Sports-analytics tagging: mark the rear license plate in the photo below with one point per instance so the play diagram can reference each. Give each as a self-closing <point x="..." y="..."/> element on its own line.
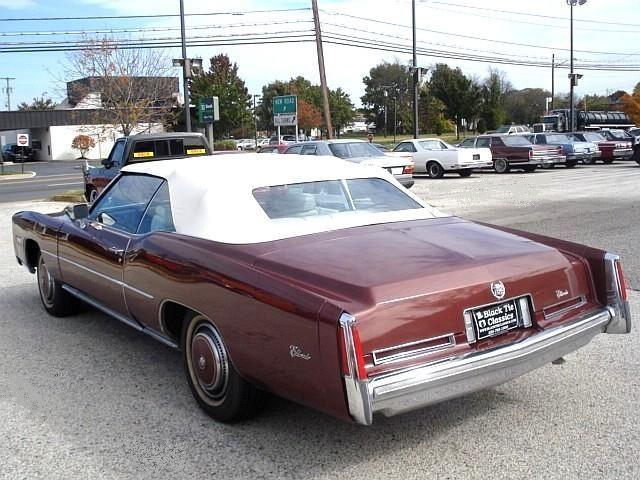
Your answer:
<point x="496" y="319"/>
<point x="397" y="170"/>
<point x="476" y="156"/>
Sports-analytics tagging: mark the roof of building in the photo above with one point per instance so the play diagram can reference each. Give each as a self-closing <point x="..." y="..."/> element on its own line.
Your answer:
<point x="212" y="196"/>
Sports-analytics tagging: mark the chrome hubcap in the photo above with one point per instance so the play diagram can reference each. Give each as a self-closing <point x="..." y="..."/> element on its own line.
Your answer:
<point x="45" y="282"/>
<point x="209" y="361"/>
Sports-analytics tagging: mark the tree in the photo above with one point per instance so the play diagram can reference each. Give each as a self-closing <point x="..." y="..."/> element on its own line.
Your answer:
<point x="342" y="110"/>
<point x="222" y="81"/>
<point x="84" y="143"/>
<point x="494" y="88"/>
<point x="631" y="104"/>
<point x="460" y="95"/>
<point x="38" y="103"/>
<point x="128" y="87"/>
<point x="308" y="115"/>
<point x="385" y="82"/>
<point x="527" y="106"/>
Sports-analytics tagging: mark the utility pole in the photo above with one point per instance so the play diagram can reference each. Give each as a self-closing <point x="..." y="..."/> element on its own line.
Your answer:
<point x="571" y="115"/>
<point x="415" y="73"/>
<point x="323" y="75"/>
<point x="255" y="121"/>
<point x="553" y="78"/>
<point x="186" y="70"/>
<point x="8" y="90"/>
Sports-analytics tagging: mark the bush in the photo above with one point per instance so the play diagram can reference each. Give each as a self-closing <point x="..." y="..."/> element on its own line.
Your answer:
<point x="84" y="143"/>
<point x="224" y="145"/>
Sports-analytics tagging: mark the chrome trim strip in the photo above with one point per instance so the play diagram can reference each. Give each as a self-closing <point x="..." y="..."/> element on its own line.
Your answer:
<point x="358" y="398"/>
<point x="94" y="303"/>
<point x="582" y="302"/>
<point x="621" y="312"/>
<point x="419" y="352"/>
<point x="106" y="277"/>
<point x="49" y="253"/>
<point x="416" y="387"/>
<point x="121" y="318"/>
<point x="402" y="299"/>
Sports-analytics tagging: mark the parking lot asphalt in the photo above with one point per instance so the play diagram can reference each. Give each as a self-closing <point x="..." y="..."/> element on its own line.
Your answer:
<point x="86" y="397"/>
<point x="50" y="178"/>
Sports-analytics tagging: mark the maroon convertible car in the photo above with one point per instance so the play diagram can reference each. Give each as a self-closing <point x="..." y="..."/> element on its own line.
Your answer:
<point x="321" y="281"/>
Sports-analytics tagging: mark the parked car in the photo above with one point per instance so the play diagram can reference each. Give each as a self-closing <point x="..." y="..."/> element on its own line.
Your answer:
<point x="262" y="142"/>
<point x="512" y="129"/>
<point x="284" y="140"/>
<point x="141" y="148"/>
<point x="636" y="153"/>
<point x="515" y="152"/>
<point x="11" y="152"/>
<point x="617" y="135"/>
<point x="358" y="151"/>
<point x="635" y="133"/>
<point x="573" y="149"/>
<point x="269" y="149"/>
<point x="435" y="157"/>
<point x="320" y="281"/>
<point x="246" y="144"/>
<point x="610" y="150"/>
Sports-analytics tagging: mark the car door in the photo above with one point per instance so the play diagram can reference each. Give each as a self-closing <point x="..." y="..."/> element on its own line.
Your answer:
<point x="92" y="250"/>
<point x="448" y="156"/>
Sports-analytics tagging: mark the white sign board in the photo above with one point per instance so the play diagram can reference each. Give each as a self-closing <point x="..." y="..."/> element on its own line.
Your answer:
<point x="22" y="140"/>
<point x="285" y="120"/>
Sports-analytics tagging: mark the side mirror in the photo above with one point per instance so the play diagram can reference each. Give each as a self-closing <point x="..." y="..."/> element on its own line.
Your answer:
<point x="78" y="212"/>
<point x="107" y="163"/>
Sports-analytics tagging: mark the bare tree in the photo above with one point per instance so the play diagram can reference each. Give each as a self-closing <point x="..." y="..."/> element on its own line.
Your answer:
<point x="127" y="87"/>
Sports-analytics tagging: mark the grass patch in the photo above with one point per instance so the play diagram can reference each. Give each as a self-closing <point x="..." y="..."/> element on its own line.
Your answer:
<point x="72" y="196"/>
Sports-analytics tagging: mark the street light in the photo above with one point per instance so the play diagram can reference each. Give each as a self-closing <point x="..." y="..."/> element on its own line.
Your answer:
<point x="573" y="78"/>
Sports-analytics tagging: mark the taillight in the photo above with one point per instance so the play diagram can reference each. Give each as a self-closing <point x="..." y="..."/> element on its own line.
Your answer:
<point x="351" y="355"/>
<point x="621" y="282"/>
<point x="530" y="153"/>
<point x="408" y="170"/>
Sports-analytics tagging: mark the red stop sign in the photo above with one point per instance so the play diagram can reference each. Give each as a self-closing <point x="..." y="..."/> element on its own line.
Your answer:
<point x="23" y="140"/>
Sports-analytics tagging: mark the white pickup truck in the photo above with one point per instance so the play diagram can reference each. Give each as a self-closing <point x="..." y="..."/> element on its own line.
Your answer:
<point x="436" y="157"/>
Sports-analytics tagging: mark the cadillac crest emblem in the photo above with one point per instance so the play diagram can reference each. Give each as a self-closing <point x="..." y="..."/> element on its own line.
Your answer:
<point x="498" y="290"/>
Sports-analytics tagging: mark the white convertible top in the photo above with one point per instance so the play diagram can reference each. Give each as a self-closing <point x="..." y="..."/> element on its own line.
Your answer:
<point x="212" y="196"/>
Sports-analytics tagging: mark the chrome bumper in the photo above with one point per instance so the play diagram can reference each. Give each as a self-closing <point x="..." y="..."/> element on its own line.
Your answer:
<point x="417" y="387"/>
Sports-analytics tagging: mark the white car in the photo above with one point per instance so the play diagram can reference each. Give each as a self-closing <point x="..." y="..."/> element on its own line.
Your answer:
<point x="435" y="157"/>
<point x="246" y="144"/>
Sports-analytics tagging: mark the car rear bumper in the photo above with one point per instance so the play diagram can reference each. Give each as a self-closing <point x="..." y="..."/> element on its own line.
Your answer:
<point x="406" y="180"/>
<point x="623" y="153"/>
<point x="575" y="157"/>
<point x="417" y="387"/>
<point x="548" y="160"/>
<point x="469" y="165"/>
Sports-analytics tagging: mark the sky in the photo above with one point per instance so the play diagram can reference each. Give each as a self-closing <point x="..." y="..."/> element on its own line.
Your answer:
<point x="606" y="33"/>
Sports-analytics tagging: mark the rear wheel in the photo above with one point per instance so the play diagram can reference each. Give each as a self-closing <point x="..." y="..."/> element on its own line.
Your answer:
<point x="548" y="166"/>
<point x="465" y="173"/>
<point x="435" y="170"/>
<point x="589" y="161"/>
<point x="91" y="194"/>
<point x="216" y="385"/>
<point x="500" y="165"/>
<point x="55" y="300"/>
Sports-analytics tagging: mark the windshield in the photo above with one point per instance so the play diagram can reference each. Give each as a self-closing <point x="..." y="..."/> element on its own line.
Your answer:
<point x="552" y="119"/>
<point x="354" y="150"/>
<point x="593" y="137"/>
<point x="558" y="138"/>
<point x="328" y="197"/>
<point x="516" y="141"/>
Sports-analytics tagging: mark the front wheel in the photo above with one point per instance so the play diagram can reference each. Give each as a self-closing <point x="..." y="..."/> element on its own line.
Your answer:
<point x="500" y="165"/>
<point x="216" y="385"/>
<point x="56" y="301"/>
<point x="435" y="170"/>
<point x="465" y="173"/>
<point x="589" y="161"/>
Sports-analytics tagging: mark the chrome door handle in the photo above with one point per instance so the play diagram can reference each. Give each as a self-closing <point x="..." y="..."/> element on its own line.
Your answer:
<point x="116" y="250"/>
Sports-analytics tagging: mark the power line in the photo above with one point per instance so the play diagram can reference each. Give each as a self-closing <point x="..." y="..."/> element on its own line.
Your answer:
<point x="159" y="15"/>
<point x="469" y="37"/>
<point x="527" y="14"/>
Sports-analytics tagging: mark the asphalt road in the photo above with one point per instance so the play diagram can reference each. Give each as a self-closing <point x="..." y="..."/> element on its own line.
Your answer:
<point x="86" y="397"/>
<point x="50" y="178"/>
